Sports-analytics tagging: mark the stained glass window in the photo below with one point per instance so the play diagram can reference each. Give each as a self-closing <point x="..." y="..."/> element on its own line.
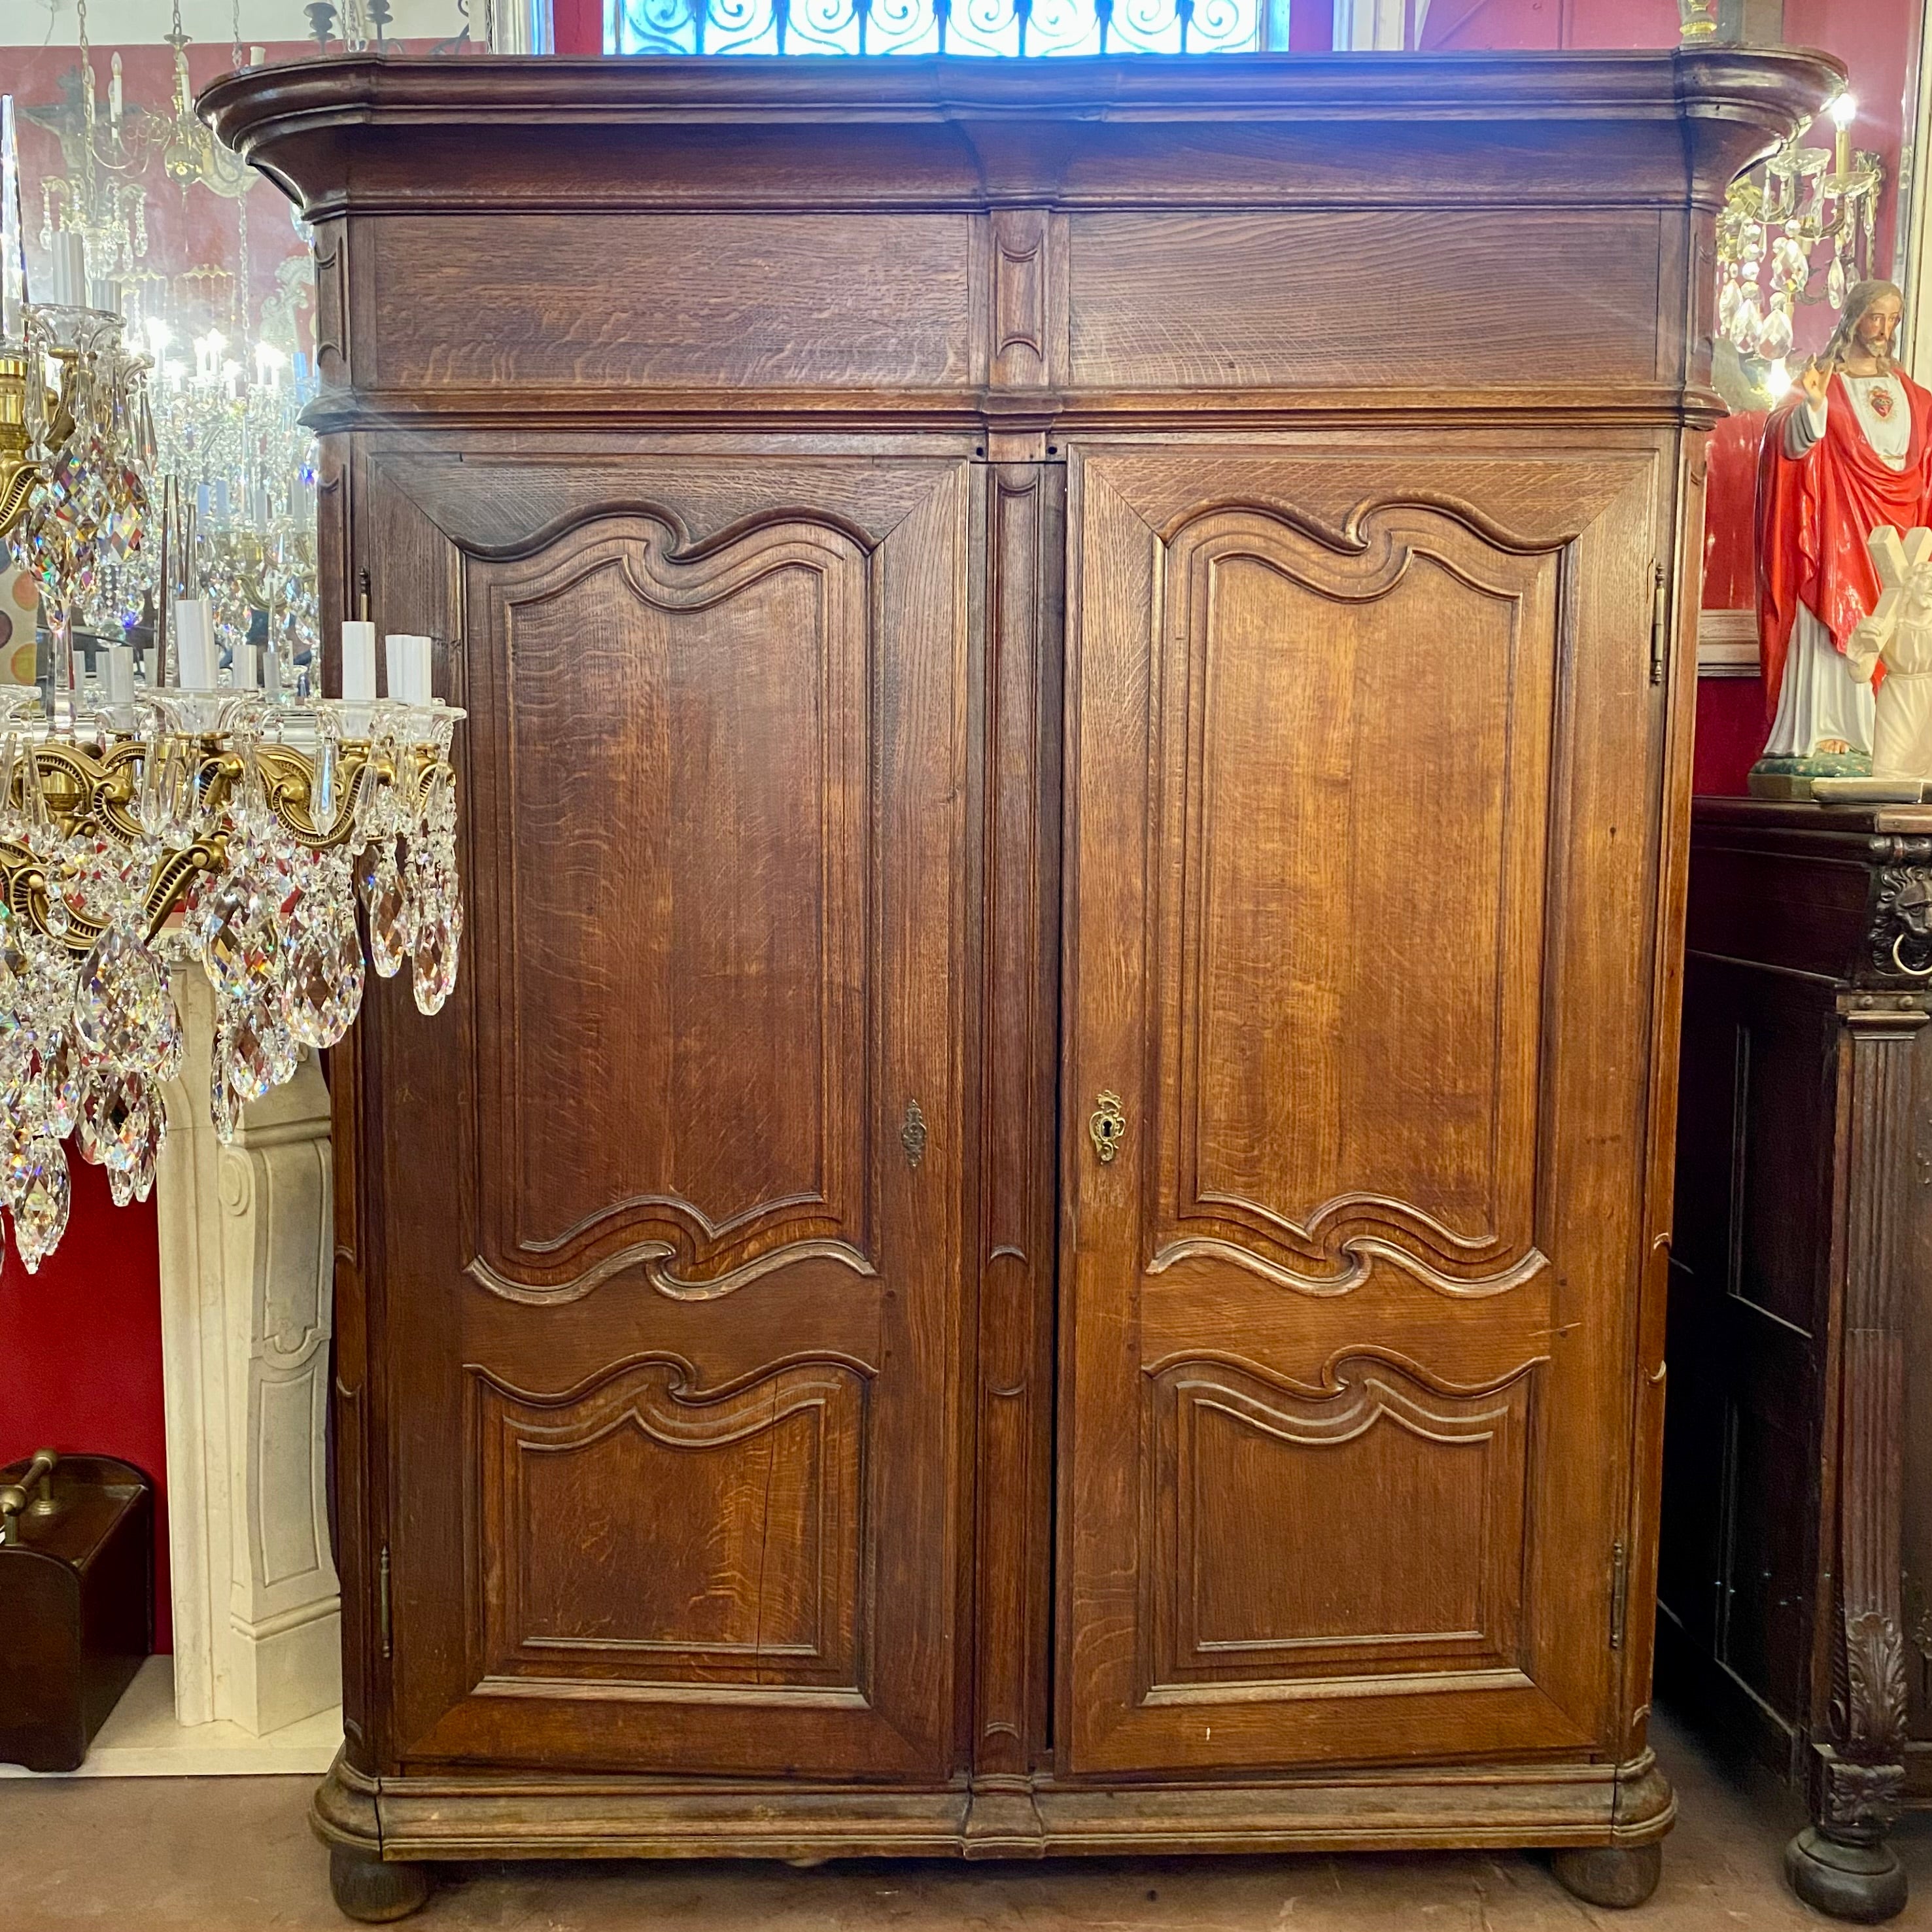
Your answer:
<point x="1008" y="27"/>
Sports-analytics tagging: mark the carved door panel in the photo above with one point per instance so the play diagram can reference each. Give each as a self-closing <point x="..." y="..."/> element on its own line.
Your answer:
<point x="675" y="1317"/>
<point x="1357" y="1004"/>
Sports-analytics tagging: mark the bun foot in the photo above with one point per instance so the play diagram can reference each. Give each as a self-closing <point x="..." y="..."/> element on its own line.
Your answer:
<point x="1617" y="1876"/>
<point x="372" y="1890"/>
<point x="1864" y="1883"/>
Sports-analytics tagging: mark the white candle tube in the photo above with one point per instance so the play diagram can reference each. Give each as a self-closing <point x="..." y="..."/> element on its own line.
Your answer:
<point x="117" y="674"/>
<point x="358" y="662"/>
<point x="13" y="231"/>
<point x="70" y="269"/>
<point x="194" y="643"/>
<point x="410" y="660"/>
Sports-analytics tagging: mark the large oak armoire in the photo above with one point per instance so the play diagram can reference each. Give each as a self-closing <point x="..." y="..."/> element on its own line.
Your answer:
<point x="1041" y="1225"/>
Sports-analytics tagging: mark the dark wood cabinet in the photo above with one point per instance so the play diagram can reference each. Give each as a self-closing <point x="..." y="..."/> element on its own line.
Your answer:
<point x="1041" y="1224"/>
<point x="1797" y="1525"/>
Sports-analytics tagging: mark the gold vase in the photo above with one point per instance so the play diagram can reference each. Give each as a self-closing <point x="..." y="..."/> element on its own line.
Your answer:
<point x="1699" y="18"/>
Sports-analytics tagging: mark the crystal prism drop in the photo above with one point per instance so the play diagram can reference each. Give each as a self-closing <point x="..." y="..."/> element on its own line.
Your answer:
<point x="121" y="1006"/>
<point x="389" y="913"/>
<point x="434" y="977"/>
<point x="237" y="941"/>
<point x="59" y="1084"/>
<point x="223" y="1109"/>
<point x="35" y="1186"/>
<point x="324" y="978"/>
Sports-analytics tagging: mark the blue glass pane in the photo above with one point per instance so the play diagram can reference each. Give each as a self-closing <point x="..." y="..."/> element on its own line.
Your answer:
<point x="998" y="28"/>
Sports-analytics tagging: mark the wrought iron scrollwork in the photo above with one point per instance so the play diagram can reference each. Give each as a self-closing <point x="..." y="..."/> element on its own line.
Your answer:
<point x="1013" y="28"/>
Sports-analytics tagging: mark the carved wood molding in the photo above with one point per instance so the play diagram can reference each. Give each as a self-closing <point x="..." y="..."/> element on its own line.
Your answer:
<point x="1860" y="1763"/>
<point x="1237" y="1208"/>
<point x="1381" y="533"/>
<point x="668" y="1608"/>
<point x="651" y="1257"/>
<point x="1901" y="920"/>
<point x="1210" y="1417"/>
<point x="797" y="1197"/>
<point x="1360" y="1252"/>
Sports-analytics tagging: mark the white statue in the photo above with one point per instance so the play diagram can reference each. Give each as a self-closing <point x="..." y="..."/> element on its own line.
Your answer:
<point x="1898" y="634"/>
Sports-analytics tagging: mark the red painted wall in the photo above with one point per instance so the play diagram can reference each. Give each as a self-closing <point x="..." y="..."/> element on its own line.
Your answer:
<point x="80" y="1348"/>
<point x="576" y="26"/>
<point x="1549" y="24"/>
<point x="1311" y="26"/>
<point x="1876" y="39"/>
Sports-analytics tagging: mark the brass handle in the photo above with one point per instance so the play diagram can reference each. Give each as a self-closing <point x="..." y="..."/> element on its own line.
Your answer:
<point x="1107" y="1126"/>
<point x="41" y="1470"/>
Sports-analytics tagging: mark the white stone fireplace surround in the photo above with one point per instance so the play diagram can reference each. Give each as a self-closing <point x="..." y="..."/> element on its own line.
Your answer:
<point x="246" y="1243"/>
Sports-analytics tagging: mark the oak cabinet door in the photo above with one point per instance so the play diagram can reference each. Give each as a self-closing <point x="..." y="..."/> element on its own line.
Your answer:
<point x="671" y="1217"/>
<point x="1361" y="853"/>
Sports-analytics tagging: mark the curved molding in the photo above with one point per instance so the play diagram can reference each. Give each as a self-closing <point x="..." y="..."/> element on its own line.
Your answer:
<point x="660" y="1393"/>
<point x="651" y="1256"/>
<point x="537" y="1295"/>
<point x="680" y="1289"/>
<point x="683" y="549"/>
<point x="1344" y="1208"/>
<point x="684" y="1380"/>
<point x="685" y="1217"/>
<point x="759" y="1219"/>
<point x="1368" y="526"/>
<point x="1349" y="1408"/>
<point x="1252" y="1213"/>
<point x="1331" y="1382"/>
<point x="299" y="123"/>
<point x="1362" y="1252"/>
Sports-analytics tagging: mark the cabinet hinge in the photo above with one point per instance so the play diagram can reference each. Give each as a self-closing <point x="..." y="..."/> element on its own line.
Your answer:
<point x="1660" y="621"/>
<point x="1619" y="1591"/>
<point x="382" y="1598"/>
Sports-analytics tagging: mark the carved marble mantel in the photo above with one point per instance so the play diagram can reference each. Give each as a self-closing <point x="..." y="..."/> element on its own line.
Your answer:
<point x="246" y="1250"/>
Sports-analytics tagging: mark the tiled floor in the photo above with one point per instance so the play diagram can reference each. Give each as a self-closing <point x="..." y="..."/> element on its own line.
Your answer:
<point x="235" y="1855"/>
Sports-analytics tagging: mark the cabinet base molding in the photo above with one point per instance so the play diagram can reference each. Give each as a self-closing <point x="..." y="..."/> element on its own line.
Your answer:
<point x="542" y="1815"/>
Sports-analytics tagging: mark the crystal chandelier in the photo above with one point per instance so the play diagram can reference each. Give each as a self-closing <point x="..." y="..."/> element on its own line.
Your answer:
<point x="98" y="205"/>
<point x="240" y="827"/>
<point x="1774" y="222"/>
<point x="190" y="152"/>
<point x="233" y="445"/>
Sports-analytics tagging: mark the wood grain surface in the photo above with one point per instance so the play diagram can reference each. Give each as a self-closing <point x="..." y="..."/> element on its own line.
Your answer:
<point x="977" y="585"/>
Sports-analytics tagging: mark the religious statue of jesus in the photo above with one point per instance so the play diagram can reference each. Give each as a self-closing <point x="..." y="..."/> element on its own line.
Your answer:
<point x="1848" y="452"/>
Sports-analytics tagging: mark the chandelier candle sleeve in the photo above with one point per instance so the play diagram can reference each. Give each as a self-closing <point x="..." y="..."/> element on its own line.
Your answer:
<point x="70" y="285"/>
<point x="12" y="237"/>
<point x="194" y="643"/>
<point x="408" y="667"/>
<point x="359" y="662"/>
<point x="117" y="674"/>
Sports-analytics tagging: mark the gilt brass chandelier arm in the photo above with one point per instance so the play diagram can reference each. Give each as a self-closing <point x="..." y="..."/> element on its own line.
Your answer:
<point x="17" y="479"/>
<point x="174" y="876"/>
<point x="289" y="777"/>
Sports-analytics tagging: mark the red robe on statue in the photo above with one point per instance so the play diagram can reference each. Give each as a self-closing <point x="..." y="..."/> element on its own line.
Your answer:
<point x="1815" y="513"/>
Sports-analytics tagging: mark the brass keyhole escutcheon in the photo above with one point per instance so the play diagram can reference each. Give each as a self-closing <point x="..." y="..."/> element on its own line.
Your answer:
<point x="1107" y="1126"/>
